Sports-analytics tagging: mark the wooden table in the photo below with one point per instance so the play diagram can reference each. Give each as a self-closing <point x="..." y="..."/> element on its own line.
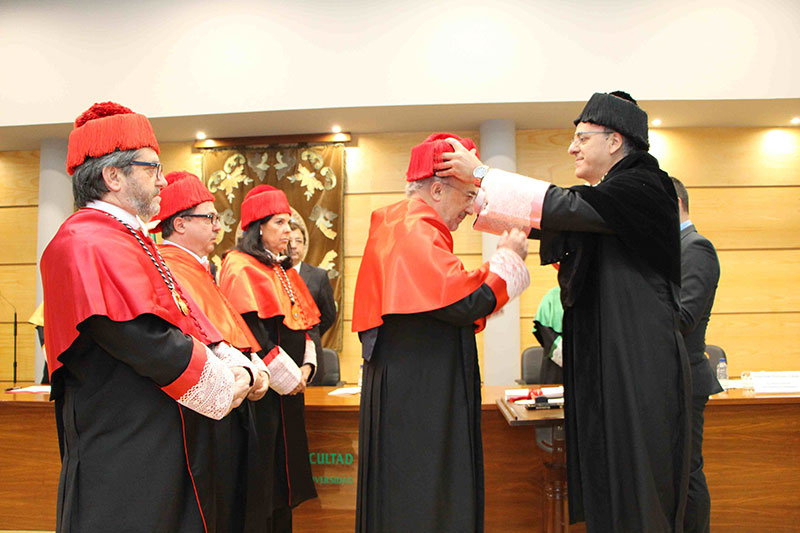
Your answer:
<point x="752" y="458"/>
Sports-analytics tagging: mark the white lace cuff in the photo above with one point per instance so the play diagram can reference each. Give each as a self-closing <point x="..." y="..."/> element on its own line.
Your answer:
<point x="310" y="356"/>
<point x="259" y="363"/>
<point x="509" y="200"/>
<point x="233" y="357"/>
<point x="510" y="266"/>
<point x="284" y="373"/>
<point x="213" y="393"/>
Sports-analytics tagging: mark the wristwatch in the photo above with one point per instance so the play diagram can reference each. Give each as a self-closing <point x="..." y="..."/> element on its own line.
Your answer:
<point x="479" y="172"/>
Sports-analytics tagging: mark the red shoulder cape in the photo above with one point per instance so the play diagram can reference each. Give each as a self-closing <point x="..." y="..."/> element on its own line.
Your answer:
<point x="197" y="280"/>
<point x="252" y="286"/>
<point x="409" y="267"/>
<point x="94" y="266"/>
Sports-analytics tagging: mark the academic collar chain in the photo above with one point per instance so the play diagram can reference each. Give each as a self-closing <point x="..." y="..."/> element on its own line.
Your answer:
<point x="287" y="286"/>
<point x="166" y="275"/>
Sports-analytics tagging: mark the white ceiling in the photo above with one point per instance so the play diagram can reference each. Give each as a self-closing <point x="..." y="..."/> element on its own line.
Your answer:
<point x="359" y="120"/>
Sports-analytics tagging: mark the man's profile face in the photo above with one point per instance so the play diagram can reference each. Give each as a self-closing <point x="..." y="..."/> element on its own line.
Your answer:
<point x="456" y="201"/>
<point x="590" y="147"/>
<point x="140" y="187"/>
<point x="298" y="244"/>
<point x="200" y="234"/>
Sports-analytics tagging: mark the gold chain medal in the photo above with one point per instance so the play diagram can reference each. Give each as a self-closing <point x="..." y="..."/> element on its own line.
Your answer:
<point x="180" y="302"/>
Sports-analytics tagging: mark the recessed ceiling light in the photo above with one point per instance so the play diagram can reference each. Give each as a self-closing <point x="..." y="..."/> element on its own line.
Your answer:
<point x="795" y="121"/>
<point x="336" y="129"/>
<point x="656" y="122"/>
<point x="200" y="135"/>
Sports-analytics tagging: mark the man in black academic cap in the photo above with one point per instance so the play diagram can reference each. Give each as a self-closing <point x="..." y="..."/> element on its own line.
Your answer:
<point x="626" y="373"/>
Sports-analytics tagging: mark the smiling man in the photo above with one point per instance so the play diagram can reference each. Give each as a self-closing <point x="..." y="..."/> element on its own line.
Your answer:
<point x="626" y="372"/>
<point x="416" y="309"/>
<point x="133" y="374"/>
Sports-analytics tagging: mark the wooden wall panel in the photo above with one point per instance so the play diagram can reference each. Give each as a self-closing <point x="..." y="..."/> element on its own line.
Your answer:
<point x="542" y="154"/>
<point x="16" y="285"/>
<point x="181" y="156"/>
<point x="763" y="341"/>
<point x="19" y="178"/>
<point x="721" y="157"/>
<point x="26" y="342"/>
<point x="377" y="163"/>
<point x="747" y="217"/>
<point x="758" y="281"/>
<point x="18" y="234"/>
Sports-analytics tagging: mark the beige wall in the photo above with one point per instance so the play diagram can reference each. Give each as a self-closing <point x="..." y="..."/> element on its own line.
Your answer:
<point x="744" y="187"/>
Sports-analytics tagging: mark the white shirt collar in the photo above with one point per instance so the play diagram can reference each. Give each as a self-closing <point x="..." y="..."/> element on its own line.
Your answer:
<point x="297" y="266"/>
<point x="131" y="219"/>
<point x="202" y="260"/>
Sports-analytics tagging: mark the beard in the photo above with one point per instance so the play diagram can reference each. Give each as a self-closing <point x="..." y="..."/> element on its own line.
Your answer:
<point x="145" y="202"/>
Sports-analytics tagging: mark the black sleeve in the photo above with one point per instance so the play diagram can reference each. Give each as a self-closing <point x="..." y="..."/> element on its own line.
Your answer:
<point x="326" y="303"/>
<point x="261" y="332"/>
<point x="468" y="309"/>
<point x="151" y="346"/>
<point x="545" y="335"/>
<point x="699" y="277"/>
<point x="565" y="210"/>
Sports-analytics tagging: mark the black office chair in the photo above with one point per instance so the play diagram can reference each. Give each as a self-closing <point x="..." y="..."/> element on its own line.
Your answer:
<point x="330" y="367"/>
<point x="714" y="354"/>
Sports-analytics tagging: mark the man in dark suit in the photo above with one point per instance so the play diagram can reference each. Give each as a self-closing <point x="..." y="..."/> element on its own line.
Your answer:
<point x="316" y="279"/>
<point x="699" y="278"/>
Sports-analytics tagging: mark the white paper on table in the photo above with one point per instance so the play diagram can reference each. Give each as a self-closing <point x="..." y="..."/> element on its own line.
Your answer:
<point x="345" y="391"/>
<point x="33" y="389"/>
<point x="771" y="382"/>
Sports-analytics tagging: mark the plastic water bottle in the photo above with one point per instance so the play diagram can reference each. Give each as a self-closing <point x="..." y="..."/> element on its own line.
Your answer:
<point x="722" y="372"/>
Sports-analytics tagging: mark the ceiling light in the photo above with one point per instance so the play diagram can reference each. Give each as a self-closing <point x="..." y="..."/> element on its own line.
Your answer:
<point x="336" y="129"/>
<point x="656" y="122"/>
<point x="795" y="121"/>
<point x="200" y="135"/>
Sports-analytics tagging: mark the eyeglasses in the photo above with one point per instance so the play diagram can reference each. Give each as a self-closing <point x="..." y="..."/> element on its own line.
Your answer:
<point x="581" y="136"/>
<point x="470" y="195"/>
<point x="156" y="166"/>
<point x="211" y="217"/>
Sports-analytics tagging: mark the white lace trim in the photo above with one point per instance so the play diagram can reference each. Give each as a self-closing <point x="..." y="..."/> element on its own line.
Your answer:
<point x="510" y="266"/>
<point x="259" y="363"/>
<point x="213" y="393"/>
<point x="284" y="373"/>
<point x="508" y="201"/>
<point x="233" y="357"/>
<point x="310" y="356"/>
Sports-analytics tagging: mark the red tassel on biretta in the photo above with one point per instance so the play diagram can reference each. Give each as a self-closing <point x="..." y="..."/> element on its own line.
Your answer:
<point x="104" y="128"/>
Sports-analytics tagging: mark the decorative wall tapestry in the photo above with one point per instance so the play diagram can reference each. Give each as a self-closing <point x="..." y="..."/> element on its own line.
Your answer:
<point x="312" y="178"/>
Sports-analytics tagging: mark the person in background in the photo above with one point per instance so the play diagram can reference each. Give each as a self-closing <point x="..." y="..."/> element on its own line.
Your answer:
<point x="547" y="330"/>
<point x="699" y="277"/>
<point x="316" y="279"/>
<point x="416" y="310"/>
<point x="138" y="373"/>
<point x="189" y="224"/>
<point x="275" y="303"/>
<point x="626" y="373"/>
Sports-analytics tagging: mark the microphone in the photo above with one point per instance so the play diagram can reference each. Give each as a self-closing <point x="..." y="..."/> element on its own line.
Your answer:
<point x="14" y="386"/>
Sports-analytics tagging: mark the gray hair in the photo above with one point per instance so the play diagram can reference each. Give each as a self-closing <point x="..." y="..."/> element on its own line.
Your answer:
<point x="413" y="187"/>
<point x="87" y="180"/>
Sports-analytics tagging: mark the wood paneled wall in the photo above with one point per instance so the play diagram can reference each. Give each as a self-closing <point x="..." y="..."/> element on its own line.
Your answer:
<point x="744" y="188"/>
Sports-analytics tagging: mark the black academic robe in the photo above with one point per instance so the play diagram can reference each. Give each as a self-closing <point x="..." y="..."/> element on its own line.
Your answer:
<point x="420" y="449"/>
<point x="280" y="422"/>
<point x="626" y="372"/>
<point x="124" y="465"/>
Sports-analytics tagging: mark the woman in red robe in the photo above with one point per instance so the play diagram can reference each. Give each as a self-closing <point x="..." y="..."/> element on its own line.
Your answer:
<point x="279" y="310"/>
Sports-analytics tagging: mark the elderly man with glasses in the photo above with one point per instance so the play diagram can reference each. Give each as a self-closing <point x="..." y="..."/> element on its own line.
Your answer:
<point x="626" y="372"/>
<point x="138" y="372"/>
<point x="417" y="309"/>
